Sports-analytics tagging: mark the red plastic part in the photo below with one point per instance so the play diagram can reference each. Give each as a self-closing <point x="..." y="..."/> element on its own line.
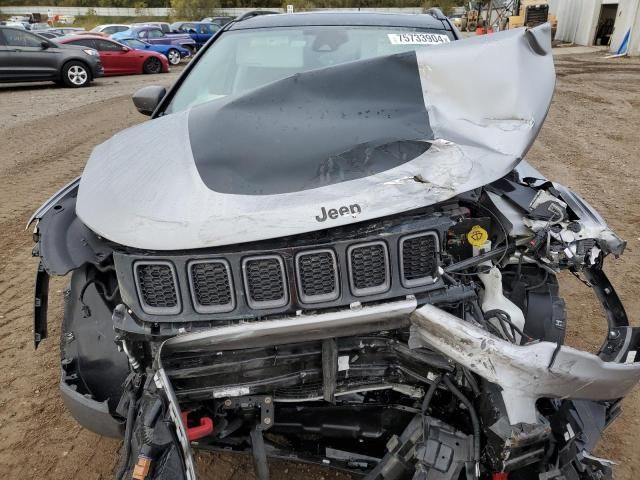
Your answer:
<point x="500" y="476"/>
<point x="195" y="433"/>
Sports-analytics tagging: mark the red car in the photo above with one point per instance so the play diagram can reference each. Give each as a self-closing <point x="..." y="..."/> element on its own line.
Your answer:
<point x="118" y="59"/>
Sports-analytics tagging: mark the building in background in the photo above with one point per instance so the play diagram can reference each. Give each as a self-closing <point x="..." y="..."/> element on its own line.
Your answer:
<point x="599" y="22"/>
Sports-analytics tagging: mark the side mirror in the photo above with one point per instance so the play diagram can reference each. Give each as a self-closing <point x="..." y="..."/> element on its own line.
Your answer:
<point x="125" y="48"/>
<point x="148" y="98"/>
<point x="45" y="45"/>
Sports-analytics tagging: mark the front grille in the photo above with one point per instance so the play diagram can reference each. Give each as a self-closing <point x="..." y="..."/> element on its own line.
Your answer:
<point x="156" y="283"/>
<point x="418" y="260"/>
<point x="264" y="280"/>
<point x="317" y="273"/>
<point x="283" y="278"/>
<point x="211" y="286"/>
<point x="369" y="268"/>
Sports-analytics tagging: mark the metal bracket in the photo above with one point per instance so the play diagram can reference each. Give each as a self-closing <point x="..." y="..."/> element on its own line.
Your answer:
<point x="263" y="402"/>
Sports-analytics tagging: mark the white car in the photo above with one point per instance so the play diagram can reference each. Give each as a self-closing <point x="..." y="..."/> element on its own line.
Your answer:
<point x="15" y="25"/>
<point x="110" y="29"/>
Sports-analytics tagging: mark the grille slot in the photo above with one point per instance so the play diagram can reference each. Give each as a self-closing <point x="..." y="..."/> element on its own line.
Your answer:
<point x="157" y="287"/>
<point x="265" y="281"/>
<point x="369" y="268"/>
<point x="317" y="273"/>
<point x="211" y="286"/>
<point x="418" y="259"/>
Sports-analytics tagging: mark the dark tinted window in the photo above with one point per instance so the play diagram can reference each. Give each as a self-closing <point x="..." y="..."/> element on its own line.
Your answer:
<point x="83" y="42"/>
<point x="18" y="38"/>
<point x="107" y="46"/>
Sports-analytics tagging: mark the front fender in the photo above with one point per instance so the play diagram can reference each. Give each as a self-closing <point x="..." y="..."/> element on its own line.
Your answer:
<point x="63" y="242"/>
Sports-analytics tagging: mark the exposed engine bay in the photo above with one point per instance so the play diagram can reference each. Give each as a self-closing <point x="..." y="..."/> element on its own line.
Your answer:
<point x="420" y="336"/>
<point x="449" y="364"/>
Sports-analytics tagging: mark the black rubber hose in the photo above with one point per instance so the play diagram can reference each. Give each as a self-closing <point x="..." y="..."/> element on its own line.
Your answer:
<point x="432" y="390"/>
<point x="472" y="413"/>
<point x="128" y="433"/>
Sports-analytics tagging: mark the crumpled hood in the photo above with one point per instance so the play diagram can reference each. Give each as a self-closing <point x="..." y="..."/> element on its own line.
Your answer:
<point x="324" y="148"/>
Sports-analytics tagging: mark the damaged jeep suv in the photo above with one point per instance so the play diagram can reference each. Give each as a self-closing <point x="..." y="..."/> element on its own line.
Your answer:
<point x="326" y="246"/>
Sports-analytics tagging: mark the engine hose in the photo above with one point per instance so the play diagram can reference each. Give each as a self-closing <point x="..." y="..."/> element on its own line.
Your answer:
<point x="429" y="395"/>
<point x="128" y="433"/>
<point x="474" y="420"/>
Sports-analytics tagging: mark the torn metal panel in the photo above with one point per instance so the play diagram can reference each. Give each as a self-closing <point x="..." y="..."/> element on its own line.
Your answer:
<point x="525" y="373"/>
<point x="431" y="132"/>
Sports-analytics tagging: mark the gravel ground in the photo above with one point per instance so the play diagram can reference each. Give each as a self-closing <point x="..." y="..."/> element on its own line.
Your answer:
<point x="590" y="143"/>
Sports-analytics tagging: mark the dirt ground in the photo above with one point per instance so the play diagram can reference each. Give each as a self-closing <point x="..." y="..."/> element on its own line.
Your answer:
<point x="590" y="142"/>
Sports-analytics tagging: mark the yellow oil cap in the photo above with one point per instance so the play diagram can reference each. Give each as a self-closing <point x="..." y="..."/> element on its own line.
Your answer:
<point x="477" y="236"/>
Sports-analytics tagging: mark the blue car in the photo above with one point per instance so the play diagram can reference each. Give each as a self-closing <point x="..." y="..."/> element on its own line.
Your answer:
<point x="174" y="53"/>
<point x="201" y="32"/>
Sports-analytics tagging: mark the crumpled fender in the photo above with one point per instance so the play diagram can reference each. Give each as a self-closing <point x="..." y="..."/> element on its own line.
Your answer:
<point x="63" y="242"/>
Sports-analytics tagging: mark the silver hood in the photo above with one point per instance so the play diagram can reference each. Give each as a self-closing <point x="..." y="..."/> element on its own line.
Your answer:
<point x="324" y="148"/>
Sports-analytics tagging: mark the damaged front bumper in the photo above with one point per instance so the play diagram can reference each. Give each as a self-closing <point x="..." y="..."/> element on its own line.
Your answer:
<point x="523" y="373"/>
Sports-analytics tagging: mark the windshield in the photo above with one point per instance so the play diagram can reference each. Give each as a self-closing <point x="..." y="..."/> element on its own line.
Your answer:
<point x="246" y="59"/>
<point x="133" y="43"/>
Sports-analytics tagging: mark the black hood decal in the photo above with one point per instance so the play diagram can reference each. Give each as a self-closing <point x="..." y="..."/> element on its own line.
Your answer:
<point x="313" y="129"/>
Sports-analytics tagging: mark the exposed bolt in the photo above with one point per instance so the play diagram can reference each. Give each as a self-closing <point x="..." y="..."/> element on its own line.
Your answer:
<point x="607" y="290"/>
<point x="267" y="400"/>
<point x="267" y="421"/>
<point x="69" y="336"/>
<point x="614" y="334"/>
<point x="227" y="403"/>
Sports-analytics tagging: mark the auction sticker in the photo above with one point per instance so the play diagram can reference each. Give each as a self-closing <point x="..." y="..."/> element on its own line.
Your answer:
<point x="417" y="38"/>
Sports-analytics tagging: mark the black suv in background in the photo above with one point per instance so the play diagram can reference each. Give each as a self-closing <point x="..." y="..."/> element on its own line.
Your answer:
<point x="27" y="57"/>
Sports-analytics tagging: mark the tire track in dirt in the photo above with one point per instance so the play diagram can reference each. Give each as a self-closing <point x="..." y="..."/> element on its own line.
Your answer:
<point x="41" y="440"/>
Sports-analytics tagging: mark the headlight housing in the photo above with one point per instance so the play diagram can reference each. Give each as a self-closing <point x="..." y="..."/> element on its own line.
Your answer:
<point x="91" y="51"/>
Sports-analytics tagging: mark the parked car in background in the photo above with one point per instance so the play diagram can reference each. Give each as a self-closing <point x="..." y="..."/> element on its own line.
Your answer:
<point x="48" y="34"/>
<point x="20" y="25"/>
<point x="100" y="34"/>
<point x="164" y="26"/>
<point x="28" y="57"/>
<point x="156" y="36"/>
<point x="119" y="59"/>
<point x="173" y="53"/>
<point x="67" y="30"/>
<point x="220" y="21"/>
<point x="39" y="26"/>
<point x="110" y="29"/>
<point x="201" y="32"/>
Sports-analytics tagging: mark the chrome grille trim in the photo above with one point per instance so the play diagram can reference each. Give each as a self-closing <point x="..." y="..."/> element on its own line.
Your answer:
<point x="382" y="287"/>
<point x="173" y="310"/>
<point x="426" y="280"/>
<point x="326" y="297"/>
<point x="281" y="302"/>
<point x="218" y="308"/>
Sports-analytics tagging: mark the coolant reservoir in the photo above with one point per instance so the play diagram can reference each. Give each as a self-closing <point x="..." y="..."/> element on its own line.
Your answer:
<point x="493" y="298"/>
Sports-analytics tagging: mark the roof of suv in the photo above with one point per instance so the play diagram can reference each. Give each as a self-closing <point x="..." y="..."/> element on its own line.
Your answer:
<point x="340" y="18"/>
